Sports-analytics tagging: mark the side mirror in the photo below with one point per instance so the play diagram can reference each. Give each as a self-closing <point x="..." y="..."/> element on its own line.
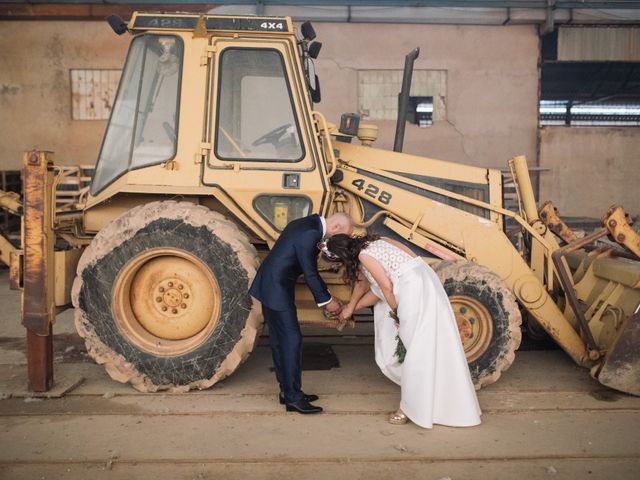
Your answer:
<point x="315" y="92"/>
<point x="308" y="33"/>
<point x="314" y="81"/>
<point x="314" y="49"/>
<point x="118" y="25"/>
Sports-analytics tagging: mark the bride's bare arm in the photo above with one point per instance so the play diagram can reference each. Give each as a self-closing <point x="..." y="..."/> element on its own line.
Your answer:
<point x="359" y="290"/>
<point x="368" y="300"/>
<point x="378" y="273"/>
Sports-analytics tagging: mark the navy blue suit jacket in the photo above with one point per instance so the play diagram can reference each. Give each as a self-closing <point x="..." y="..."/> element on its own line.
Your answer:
<point x="294" y="253"/>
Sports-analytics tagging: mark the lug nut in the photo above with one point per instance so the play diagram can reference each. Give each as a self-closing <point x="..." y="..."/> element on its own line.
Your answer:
<point x="180" y="286"/>
<point x="158" y="299"/>
<point x="184" y="305"/>
<point x="186" y="295"/>
<point x="174" y="310"/>
<point x="171" y="284"/>
<point x="161" y="289"/>
<point x="164" y="308"/>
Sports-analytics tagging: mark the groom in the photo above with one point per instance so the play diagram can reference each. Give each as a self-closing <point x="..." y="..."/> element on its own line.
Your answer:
<point x="294" y="253"/>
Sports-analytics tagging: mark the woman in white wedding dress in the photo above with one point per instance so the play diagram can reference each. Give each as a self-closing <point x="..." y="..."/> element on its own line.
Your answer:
<point x="434" y="377"/>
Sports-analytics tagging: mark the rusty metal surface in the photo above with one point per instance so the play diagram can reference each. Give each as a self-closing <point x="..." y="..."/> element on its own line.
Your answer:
<point x="621" y="366"/>
<point x="93" y="92"/>
<point x="619" y="226"/>
<point x="15" y="270"/>
<point x="567" y="285"/>
<point x="40" y="360"/>
<point x="37" y="307"/>
<point x="6" y="249"/>
<point x="549" y="215"/>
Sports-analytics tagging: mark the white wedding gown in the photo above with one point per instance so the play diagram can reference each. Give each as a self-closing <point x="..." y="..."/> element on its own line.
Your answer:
<point x="435" y="382"/>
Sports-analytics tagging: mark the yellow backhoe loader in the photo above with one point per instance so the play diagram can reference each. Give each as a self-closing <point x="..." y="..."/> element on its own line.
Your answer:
<point x="213" y="146"/>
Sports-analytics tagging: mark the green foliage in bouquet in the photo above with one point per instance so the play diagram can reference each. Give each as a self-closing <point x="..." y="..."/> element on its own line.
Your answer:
<point x="401" y="351"/>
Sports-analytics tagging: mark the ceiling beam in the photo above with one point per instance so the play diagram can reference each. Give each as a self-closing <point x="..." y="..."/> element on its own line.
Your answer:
<point x="88" y="11"/>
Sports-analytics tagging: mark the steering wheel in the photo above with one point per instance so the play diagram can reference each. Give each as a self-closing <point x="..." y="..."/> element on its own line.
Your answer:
<point x="273" y="136"/>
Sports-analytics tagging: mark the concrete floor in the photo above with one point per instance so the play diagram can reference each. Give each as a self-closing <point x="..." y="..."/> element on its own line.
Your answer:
<point x="545" y="418"/>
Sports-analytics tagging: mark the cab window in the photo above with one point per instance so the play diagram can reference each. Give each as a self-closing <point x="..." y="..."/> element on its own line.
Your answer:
<point x="255" y="119"/>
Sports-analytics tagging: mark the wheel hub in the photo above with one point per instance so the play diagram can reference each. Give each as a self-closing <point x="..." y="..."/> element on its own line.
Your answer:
<point x="172" y="296"/>
<point x="475" y="325"/>
<point x="166" y="301"/>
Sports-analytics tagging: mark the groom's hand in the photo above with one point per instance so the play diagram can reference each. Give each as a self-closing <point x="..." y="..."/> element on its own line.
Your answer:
<point x="333" y="307"/>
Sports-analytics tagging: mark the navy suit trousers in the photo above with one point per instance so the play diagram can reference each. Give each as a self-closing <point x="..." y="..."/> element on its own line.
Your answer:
<point x="285" y="338"/>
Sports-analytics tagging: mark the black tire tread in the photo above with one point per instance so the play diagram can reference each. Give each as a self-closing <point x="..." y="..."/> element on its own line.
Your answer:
<point x="125" y="227"/>
<point x="461" y="271"/>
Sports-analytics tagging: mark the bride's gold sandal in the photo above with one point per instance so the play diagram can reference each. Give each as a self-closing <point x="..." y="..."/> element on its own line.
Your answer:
<point x="398" y="418"/>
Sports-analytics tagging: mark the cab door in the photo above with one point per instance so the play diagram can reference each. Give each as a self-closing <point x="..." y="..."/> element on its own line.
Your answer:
<point x="264" y="156"/>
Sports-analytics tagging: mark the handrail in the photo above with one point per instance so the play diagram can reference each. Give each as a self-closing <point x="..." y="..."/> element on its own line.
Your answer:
<point x="324" y="132"/>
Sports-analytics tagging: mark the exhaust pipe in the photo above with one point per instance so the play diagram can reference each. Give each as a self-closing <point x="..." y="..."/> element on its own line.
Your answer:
<point x="403" y="98"/>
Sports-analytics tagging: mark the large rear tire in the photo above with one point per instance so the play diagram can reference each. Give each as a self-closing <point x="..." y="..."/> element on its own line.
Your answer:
<point x="161" y="297"/>
<point x="487" y="315"/>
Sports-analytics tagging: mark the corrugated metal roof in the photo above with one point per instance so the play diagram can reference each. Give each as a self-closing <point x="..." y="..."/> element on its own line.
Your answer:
<point x="599" y="44"/>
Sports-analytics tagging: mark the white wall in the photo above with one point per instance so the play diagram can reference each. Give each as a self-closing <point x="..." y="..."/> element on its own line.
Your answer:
<point x="492" y="78"/>
<point x="590" y="169"/>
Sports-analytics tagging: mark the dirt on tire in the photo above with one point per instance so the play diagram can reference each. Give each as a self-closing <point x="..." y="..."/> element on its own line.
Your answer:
<point x="478" y="282"/>
<point x="221" y="246"/>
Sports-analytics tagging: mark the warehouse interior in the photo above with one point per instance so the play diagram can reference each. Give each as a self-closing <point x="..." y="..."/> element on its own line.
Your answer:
<point x="160" y="161"/>
<point x="503" y="76"/>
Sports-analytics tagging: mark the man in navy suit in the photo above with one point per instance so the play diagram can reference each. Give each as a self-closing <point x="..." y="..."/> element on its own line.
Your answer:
<point x="294" y="253"/>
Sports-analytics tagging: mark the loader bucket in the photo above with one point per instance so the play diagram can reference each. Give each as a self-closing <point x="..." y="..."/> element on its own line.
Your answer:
<point x="621" y="366"/>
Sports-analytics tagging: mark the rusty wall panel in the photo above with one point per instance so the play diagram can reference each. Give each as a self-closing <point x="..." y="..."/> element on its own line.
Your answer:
<point x="378" y="92"/>
<point x="599" y="44"/>
<point x="92" y="93"/>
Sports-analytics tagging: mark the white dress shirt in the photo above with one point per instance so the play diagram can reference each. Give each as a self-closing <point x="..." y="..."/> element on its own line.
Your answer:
<point x="324" y="232"/>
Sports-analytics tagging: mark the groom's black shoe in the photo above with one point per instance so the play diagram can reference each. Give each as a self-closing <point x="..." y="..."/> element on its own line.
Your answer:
<point x="303" y="406"/>
<point x="308" y="398"/>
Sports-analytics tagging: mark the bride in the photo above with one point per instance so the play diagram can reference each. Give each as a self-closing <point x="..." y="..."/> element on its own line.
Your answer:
<point x="411" y="307"/>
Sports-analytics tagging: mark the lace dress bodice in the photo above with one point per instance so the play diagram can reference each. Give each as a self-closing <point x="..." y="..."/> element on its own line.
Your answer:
<point x="389" y="256"/>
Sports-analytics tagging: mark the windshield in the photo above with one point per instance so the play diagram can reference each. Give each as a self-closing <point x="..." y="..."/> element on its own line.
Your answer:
<point x="143" y="124"/>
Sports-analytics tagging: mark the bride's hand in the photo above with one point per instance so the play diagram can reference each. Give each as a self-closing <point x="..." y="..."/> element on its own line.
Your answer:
<point x="347" y="312"/>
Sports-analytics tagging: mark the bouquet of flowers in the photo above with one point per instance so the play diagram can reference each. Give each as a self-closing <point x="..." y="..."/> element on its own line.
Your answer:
<point x="401" y="351"/>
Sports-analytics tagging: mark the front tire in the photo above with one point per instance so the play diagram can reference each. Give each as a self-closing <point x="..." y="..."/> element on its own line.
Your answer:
<point x="161" y="297"/>
<point x="487" y="315"/>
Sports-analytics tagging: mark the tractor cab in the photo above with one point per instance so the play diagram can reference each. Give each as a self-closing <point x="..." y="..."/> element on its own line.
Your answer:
<point x="206" y="101"/>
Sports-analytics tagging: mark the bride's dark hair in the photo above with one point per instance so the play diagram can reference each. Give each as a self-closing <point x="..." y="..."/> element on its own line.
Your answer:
<point x="347" y="249"/>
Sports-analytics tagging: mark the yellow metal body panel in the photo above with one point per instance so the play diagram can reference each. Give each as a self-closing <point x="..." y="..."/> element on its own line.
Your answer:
<point x="478" y="239"/>
<point x="241" y="181"/>
<point x="65" y="262"/>
<point x="10" y="201"/>
<point x="6" y="249"/>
